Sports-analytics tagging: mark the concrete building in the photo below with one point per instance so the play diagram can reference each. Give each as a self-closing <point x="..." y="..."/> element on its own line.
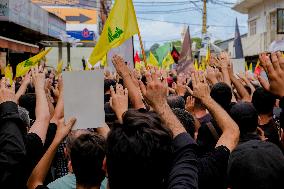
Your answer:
<point x="24" y="26"/>
<point x="265" y="25"/>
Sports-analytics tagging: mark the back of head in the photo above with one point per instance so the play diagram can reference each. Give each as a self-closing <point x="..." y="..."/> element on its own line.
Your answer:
<point x="138" y="152"/>
<point x="256" y="164"/>
<point x="198" y="105"/>
<point x="263" y="101"/>
<point x="108" y="83"/>
<point x="28" y="101"/>
<point x="87" y="155"/>
<point x="186" y="120"/>
<point x="222" y="94"/>
<point x="245" y="115"/>
<point x="176" y="102"/>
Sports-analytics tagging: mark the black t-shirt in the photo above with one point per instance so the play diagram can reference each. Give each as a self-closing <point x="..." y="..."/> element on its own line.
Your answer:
<point x="271" y="132"/>
<point x="212" y="168"/>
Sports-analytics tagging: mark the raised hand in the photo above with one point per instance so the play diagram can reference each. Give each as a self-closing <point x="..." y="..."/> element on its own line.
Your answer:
<point x="63" y="129"/>
<point x="275" y="72"/>
<point x="120" y="66"/>
<point x="7" y="93"/>
<point x="189" y="106"/>
<point x="201" y="89"/>
<point x="156" y="91"/>
<point x="38" y="78"/>
<point x="119" y="101"/>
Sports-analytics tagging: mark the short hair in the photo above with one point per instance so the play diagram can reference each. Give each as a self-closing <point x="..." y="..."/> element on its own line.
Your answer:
<point x="176" y="102"/>
<point x="186" y="120"/>
<point x="263" y="101"/>
<point x="222" y="94"/>
<point x="108" y="83"/>
<point x="245" y="115"/>
<point x="28" y="101"/>
<point x="199" y="105"/>
<point x="138" y="152"/>
<point x="87" y="155"/>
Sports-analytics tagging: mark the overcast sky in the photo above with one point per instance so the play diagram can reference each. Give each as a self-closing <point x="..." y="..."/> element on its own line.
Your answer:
<point x="183" y="11"/>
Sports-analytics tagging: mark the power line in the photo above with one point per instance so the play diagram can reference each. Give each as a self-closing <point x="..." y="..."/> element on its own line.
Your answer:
<point x="183" y="23"/>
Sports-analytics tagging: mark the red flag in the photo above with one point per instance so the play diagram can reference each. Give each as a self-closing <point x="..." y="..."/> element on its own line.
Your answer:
<point x="175" y="54"/>
<point x="137" y="58"/>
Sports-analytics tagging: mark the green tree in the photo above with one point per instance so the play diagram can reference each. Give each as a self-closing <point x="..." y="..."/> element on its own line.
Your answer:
<point x="198" y="41"/>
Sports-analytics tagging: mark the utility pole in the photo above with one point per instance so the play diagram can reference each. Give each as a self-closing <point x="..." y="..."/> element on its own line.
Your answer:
<point x="204" y="18"/>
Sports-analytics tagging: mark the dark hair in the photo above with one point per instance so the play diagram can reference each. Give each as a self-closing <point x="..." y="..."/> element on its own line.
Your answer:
<point x="87" y="155"/>
<point x="199" y="105"/>
<point x="138" y="152"/>
<point x="176" y="102"/>
<point x="186" y="120"/>
<point x="108" y="83"/>
<point x="263" y="101"/>
<point x="28" y="101"/>
<point x="245" y="115"/>
<point x="222" y="94"/>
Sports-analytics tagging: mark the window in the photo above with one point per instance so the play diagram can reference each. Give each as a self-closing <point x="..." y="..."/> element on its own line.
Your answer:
<point x="252" y="27"/>
<point x="280" y="21"/>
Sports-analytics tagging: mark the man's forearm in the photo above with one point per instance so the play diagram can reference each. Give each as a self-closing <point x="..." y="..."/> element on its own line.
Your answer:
<point x="40" y="171"/>
<point x="230" y="129"/>
<point x="169" y="119"/>
<point x="133" y="92"/>
<point x="240" y="88"/>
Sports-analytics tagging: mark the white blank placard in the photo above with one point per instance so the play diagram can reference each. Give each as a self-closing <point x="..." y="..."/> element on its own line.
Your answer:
<point x="84" y="98"/>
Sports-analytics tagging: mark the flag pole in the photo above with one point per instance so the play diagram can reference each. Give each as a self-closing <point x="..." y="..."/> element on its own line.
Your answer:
<point x="142" y="48"/>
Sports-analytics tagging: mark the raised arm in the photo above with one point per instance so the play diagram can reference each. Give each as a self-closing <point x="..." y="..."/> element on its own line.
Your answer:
<point x="183" y="173"/>
<point x="12" y="150"/>
<point x="59" y="108"/>
<point x="41" y="123"/>
<point x="238" y="85"/>
<point x="22" y="90"/>
<point x="40" y="171"/>
<point x="231" y="133"/>
<point x="130" y="82"/>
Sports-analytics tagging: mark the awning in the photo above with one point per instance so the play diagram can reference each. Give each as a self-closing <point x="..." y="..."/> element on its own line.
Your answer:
<point x="18" y="46"/>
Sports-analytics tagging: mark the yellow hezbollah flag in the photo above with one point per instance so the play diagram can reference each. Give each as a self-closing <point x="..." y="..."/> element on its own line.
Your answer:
<point x="9" y="73"/>
<point x="120" y="26"/>
<point x="59" y="67"/>
<point x="208" y="54"/>
<point x="250" y="67"/>
<point x="196" y="65"/>
<point x="104" y="61"/>
<point x="168" y="60"/>
<point x="246" y="66"/>
<point x="153" y="61"/>
<point x="26" y="65"/>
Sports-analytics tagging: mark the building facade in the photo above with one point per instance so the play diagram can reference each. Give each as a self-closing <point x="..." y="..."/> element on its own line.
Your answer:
<point x="265" y="24"/>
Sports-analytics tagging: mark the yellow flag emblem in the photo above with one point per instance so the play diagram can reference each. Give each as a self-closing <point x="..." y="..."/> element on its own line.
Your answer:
<point x="120" y="26"/>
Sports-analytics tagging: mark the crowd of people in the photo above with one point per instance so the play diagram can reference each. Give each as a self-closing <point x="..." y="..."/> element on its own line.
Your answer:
<point x="211" y="129"/>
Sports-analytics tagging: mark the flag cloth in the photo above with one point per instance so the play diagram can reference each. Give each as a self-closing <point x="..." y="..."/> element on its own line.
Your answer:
<point x="137" y="58"/>
<point x="168" y="60"/>
<point x="250" y="67"/>
<point x="203" y="64"/>
<point x="186" y="54"/>
<point x="120" y="26"/>
<point x="23" y="67"/>
<point x="162" y="51"/>
<point x="59" y="67"/>
<point x="257" y="69"/>
<point x="175" y="54"/>
<point x="208" y="54"/>
<point x="246" y="66"/>
<point x="152" y="60"/>
<point x="104" y="61"/>
<point x="196" y="65"/>
<point x="238" y="43"/>
<point x="125" y="50"/>
<point x="9" y="73"/>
